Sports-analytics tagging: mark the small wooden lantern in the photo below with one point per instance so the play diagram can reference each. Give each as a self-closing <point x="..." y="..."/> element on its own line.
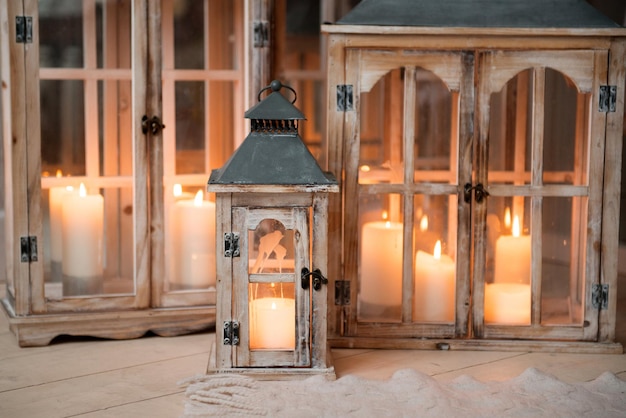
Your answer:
<point x="480" y="147"/>
<point x="271" y="209"/>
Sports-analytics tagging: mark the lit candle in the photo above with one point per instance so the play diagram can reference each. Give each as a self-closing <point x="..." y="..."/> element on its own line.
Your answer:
<point x="381" y="269"/>
<point x="507" y="303"/>
<point x="56" y="195"/>
<point x="194" y="243"/>
<point x="273" y="323"/>
<point x="177" y="191"/>
<point x="434" y="286"/>
<point x="83" y="230"/>
<point x="512" y="257"/>
<point x="425" y="239"/>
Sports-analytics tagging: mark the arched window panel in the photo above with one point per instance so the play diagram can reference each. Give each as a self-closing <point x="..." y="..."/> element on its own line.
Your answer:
<point x="381" y="157"/>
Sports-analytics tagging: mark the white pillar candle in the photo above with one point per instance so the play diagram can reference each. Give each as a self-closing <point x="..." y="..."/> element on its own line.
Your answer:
<point x="512" y="257"/>
<point x="194" y="242"/>
<point x="507" y="303"/>
<point x="434" y="287"/>
<point x="83" y="230"/>
<point x="381" y="265"/>
<point x="56" y="195"/>
<point x="273" y="323"/>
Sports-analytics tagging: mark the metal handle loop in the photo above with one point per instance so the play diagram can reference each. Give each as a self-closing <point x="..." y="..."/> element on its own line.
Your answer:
<point x="276" y="86"/>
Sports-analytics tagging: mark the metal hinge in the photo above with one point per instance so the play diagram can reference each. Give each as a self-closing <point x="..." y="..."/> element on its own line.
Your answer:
<point x="28" y="249"/>
<point x="342" y="292"/>
<point x="600" y="296"/>
<point x="608" y="99"/>
<point x="231" y="333"/>
<point x="345" y="99"/>
<point x="231" y="244"/>
<point x="261" y="33"/>
<point x="23" y="29"/>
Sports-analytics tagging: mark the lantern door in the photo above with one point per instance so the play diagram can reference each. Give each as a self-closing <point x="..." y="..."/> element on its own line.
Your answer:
<point x="78" y="160"/>
<point x="406" y="227"/>
<point x="542" y="136"/>
<point x="269" y="303"/>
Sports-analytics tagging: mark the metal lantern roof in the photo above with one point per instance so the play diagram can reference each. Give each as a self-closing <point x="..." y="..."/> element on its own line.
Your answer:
<point x="478" y="13"/>
<point x="273" y="153"/>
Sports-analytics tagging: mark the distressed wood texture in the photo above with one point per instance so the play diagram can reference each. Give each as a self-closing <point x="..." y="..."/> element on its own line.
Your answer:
<point x="304" y="211"/>
<point x="479" y="67"/>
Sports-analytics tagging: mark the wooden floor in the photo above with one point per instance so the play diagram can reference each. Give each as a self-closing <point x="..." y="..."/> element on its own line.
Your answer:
<point x="138" y="378"/>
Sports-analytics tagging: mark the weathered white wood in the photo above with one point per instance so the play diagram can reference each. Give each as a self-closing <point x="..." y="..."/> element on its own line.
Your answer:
<point x="38" y="330"/>
<point x="612" y="186"/>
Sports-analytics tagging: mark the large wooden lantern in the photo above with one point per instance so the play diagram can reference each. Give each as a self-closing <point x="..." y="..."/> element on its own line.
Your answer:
<point x="271" y="205"/>
<point x="113" y="115"/>
<point x="480" y="149"/>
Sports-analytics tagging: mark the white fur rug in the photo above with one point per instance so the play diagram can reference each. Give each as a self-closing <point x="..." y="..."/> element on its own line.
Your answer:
<point x="407" y="394"/>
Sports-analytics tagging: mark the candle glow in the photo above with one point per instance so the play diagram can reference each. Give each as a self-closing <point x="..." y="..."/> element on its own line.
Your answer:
<point x="83" y="236"/>
<point x="381" y="268"/>
<point x="194" y="242"/>
<point x="433" y="300"/>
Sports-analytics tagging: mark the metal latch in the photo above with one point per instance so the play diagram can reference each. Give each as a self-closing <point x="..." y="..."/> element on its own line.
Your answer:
<point x="345" y="98"/>
<point x="600" y="296"/>
<point x="342" y="292"/>
<point x="479" y="192"/>
<point x="608" y="99"/>
<point x="231" y="244"/>
<point x="231" y="333"/>
<point x="318" y="278"/>
<point x="152" y="125"/>
<point x="28" y="249"/>
<point x="261" y="33"/>
<point x="23" y="29"/>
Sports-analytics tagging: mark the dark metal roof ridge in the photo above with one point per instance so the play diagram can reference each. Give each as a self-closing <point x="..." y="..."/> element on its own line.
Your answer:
<point x="478" y="13"/>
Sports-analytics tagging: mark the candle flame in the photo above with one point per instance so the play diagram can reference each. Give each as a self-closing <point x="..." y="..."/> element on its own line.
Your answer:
<point x="59" y="173"/>
<point x="424" y="223"/>
<point x="82" y="191"/>
<point x="178" y="190"/>
<point x="516" y="230"/>
<point x="197" y="201"/>
<point x="385" y="215"/>
<point x="507" y="217"/>
<point x="437" y="251"/>
<point x="365" y="168"/>
<point x="388" y="224"/>
<point x="274" y="305"/>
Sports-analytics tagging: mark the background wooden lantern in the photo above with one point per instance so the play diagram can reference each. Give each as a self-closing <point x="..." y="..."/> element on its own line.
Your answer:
<point x="272" y="205"/>
<point x="449" y="118"/>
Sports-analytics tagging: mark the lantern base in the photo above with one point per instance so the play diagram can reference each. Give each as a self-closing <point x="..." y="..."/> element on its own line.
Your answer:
<point x="579" y="347"/>
<point x="40" y="329"/>
<point x="274" y="373"/>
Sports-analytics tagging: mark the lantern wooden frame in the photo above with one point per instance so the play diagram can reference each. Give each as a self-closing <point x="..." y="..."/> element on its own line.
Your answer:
<point x="471" y="58"/>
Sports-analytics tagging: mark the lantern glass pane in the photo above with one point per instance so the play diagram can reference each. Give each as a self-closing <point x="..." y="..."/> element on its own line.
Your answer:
<point x="63" y="144"/>
<point x="272" y="316"/>
<point x="508" y="262"/>
<point x="380" y="257"/>
<point x="190" y="127"/>
<point x="86" y="139"/>
<point x="435" y="258"/>
<point x="566" y="131"/>
<point x="381" y="147"/>
<point x="433" y="129"/>
<point x="509" y="132"/>
<point x="188" y="34"/>
<point x="61" y="29"/>
<point x="563" y="260"/>
<point x="271" y="248"/>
